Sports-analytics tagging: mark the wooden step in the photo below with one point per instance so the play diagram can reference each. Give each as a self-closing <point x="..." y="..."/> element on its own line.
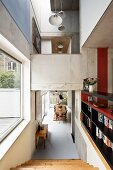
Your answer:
<point x="59" y="168"/>
<point x="48" y="162"/>
<point x="55" y="165"/>
<point x="51" y="165"/>
<point x="38" y="162"/>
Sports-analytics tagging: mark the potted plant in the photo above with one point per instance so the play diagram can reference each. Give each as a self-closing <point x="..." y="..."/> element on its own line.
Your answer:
<point x="88" y="83"/>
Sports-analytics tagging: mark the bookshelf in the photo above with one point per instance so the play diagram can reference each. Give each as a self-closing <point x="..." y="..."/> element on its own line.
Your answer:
<point x="98" y="121"/>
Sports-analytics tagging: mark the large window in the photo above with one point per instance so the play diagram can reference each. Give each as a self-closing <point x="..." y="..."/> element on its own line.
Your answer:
<point x="10" y="94"/>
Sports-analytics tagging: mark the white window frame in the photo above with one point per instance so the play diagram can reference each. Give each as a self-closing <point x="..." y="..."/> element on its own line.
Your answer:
<point x="12" y="126"/>
<point x="9" y="48"/>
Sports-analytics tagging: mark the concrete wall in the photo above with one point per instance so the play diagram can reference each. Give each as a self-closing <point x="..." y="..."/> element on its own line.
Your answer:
<point x="62" y="72"/>
<point x="20" y="12"/>
<point x="75" y="44"/>
<point x="11" y="31"/>
<point x="90" y="13"/>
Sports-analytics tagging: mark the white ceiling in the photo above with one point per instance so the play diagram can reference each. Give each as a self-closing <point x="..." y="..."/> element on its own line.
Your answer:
<point x="102" y="35"/>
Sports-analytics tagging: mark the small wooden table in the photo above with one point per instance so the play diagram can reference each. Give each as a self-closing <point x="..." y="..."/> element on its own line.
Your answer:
<point x="42" y="134"/>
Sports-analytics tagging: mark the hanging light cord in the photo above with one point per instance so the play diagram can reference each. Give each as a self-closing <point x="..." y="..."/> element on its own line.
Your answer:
<point x="61" y="5"/>
<point x="55" y="5"/>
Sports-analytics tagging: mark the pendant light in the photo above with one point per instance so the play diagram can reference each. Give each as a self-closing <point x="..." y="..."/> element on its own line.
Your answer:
<point x="60" y="45"/>
<point x="61" y="28"/>
<point x="55" y="19"/>
<point x="61" y="12"/>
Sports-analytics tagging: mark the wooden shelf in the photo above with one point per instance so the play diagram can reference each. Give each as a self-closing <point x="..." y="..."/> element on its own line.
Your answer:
<point x="106" y="152"/>
<point x="104" y="111"/>
<point x="102" y="95"/>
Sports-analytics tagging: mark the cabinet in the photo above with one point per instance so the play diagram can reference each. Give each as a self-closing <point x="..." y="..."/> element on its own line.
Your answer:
<point x="98" y="121"/>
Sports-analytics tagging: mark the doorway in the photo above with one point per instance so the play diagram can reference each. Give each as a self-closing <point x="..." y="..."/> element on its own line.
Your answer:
<point x="59" y="144"/>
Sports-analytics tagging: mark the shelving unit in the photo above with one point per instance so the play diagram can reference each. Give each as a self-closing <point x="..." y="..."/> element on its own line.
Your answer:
<point x="99" y="122"/>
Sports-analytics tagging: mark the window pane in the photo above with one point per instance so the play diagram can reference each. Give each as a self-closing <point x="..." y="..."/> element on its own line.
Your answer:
<point x="10" y="91"/>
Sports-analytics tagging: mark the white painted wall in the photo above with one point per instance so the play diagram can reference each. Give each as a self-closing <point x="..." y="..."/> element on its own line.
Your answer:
<point x="47" y="103"/>
<point x="38" y="106"/>
<point x="46" y="47"/>
<point x="90" y="13"/>
<point x="21" y="151"/>
<point x="37" y="9"/>
<point x="69" y="99"/>
<point x="62" y="72"/>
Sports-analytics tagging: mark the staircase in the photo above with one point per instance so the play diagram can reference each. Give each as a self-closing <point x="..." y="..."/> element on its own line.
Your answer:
<point x="55" y="165"/>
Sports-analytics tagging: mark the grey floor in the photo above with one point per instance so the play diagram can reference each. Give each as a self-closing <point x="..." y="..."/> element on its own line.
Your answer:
<point x="59" y="144"/>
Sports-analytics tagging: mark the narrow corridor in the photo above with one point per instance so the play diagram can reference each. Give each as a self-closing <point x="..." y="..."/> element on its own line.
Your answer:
<point x="59" y="144"/>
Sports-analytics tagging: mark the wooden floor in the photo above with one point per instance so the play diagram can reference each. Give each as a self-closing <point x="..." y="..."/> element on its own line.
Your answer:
<point x="55" y="165"/>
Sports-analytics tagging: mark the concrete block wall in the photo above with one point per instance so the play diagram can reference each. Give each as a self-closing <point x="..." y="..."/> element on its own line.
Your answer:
<point x="11" y="31"/>
<point x="62" y="72"/>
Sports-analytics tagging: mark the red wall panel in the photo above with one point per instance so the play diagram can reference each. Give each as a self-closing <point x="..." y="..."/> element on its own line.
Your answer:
<point x="102" y="69"/>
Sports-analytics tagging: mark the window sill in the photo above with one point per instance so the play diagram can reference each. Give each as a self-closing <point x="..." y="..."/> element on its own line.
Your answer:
<point x="10" y="139"/>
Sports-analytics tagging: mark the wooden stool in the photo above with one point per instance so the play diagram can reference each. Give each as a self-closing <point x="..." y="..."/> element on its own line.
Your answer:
<point x="43" y="133"/>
